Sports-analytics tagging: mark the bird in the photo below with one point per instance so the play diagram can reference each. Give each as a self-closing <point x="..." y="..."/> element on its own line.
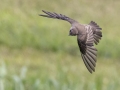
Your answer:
<point x="87" y="36"/>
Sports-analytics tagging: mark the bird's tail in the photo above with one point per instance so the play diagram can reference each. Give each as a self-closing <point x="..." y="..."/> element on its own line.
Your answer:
<point x="57" y="16"/>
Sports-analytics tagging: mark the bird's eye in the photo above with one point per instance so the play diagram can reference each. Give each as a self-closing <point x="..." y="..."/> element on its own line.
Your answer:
<point x="70" y="30"/>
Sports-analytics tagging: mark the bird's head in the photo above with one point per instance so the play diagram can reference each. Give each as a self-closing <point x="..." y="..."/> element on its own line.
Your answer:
<point x="73" y="31"/>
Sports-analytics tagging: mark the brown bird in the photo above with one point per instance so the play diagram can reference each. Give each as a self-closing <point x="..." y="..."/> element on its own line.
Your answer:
<point x="87" y="35"/>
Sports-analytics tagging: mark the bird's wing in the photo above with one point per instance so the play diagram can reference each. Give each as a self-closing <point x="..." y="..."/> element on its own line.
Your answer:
<point x="58" y="16"/>
<point x="88" y="51"/>
<point x="96" y="32"/>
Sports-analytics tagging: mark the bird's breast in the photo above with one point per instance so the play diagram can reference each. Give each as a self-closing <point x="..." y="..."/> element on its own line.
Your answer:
<point x="82" y="37"/>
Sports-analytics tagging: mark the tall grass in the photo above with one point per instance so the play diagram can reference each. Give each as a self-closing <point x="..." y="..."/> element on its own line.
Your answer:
<point x="57" y="71"/>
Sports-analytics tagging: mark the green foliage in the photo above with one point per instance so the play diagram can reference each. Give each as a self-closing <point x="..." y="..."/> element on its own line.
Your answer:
<point x="30" y="70"/>
<point x="36" y="53"/>
<point x="20" y="25"/>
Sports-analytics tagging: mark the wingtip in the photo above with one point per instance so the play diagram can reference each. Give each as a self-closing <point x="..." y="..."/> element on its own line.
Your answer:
<point x="44" y="11"/>
<point x="91" y="72"/>
<point x="39" y="14"/>
<point x="43" y="15"/>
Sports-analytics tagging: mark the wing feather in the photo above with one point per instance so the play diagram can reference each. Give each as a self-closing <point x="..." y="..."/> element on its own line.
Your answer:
<point x="57" y="16"/>
<point x="90" y="52"/>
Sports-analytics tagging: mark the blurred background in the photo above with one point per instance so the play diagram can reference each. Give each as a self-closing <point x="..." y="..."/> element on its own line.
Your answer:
<point x="36" y="53"/>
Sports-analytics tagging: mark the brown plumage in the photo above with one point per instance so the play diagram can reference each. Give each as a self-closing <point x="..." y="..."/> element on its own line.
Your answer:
<point x="87" y="35"/>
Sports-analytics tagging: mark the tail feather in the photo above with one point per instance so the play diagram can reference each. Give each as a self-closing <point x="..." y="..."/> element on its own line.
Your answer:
<point x="96" y="32"/>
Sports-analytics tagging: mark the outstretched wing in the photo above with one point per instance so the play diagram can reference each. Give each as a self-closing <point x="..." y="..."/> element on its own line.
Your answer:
<point x="88" y="51"/>
<point x="96" y="32"/>
<point x="57" y="16"/>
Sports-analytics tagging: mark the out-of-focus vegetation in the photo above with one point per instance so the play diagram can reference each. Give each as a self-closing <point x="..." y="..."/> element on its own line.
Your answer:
<point x="36" y="53"/>
<point x="35" y="70"/>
